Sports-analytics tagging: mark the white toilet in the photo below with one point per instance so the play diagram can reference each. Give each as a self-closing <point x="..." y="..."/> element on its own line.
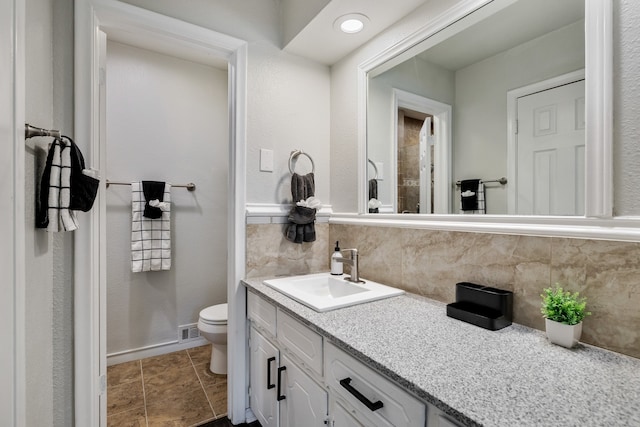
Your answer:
<point x="213" y="326"/>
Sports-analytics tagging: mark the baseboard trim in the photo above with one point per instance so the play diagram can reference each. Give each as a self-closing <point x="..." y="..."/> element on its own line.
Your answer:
<point x="152" y="351"/>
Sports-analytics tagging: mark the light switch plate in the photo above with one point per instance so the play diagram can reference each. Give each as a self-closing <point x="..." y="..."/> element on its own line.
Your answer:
<point x="266" y="160"/>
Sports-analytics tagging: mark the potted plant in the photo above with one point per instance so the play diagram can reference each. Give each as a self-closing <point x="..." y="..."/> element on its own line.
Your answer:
<point x="563" y="312"/>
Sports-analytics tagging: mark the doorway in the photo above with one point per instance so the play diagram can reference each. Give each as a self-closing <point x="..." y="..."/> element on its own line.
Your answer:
<point x="156" y="108"/>
<point x="546" y="147"/>
<point x="94" y="21"/>
<point x="432" y="122"/>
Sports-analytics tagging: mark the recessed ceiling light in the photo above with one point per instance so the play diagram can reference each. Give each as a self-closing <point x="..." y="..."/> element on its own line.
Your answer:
<point x="351" y="23"/>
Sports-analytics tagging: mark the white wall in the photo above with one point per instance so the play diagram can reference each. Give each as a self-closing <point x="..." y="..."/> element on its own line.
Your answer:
<point x="288" y="97"/>
<point x="480" y="107"/>
<point x="344" y="105"/>
<point x="167" y="120"/>
<point x="288" y="108"/>
<point x="626" y="107"/>
<point x="48" y="256"/>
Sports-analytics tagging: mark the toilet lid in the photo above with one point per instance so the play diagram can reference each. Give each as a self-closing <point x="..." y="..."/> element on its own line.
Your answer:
<point x="215" y="314"/>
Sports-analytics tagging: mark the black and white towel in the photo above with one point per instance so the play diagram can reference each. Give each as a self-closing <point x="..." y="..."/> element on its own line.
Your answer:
<point x="150" y="238"/>
<point x="373" y="195"/>
<point x="55" y="190"/>
<point x="472" y="200"/>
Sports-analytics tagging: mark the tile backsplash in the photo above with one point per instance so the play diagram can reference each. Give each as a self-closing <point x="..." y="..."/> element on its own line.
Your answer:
<point x="430" y="263"/>
<point x="270" y="254"/>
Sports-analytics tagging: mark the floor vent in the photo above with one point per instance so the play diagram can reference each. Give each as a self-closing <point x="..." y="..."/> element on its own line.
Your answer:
<point x="188" y="332"/>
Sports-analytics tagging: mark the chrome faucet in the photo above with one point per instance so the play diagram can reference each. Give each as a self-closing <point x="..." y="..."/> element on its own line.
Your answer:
<point x="353" y="263"/>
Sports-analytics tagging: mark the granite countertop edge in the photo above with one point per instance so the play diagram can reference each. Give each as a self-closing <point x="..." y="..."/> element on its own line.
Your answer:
<point x="315" y="320"/>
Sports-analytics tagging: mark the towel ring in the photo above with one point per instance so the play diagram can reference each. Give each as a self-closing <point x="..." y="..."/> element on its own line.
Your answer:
<point x="296" y="153"/>
<point x="375" y="168"/>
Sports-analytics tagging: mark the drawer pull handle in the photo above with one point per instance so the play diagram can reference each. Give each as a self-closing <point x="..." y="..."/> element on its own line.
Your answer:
<point x="280" y="396"/>
<point x="269" y="385"/>
<point x="373" y="406"/>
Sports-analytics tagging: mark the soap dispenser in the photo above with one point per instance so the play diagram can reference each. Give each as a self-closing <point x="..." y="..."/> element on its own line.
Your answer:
<point x="336" y="266"/>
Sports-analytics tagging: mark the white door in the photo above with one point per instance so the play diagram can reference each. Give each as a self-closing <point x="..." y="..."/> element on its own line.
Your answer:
<point x="550" y="145"/>
<point x="305" y="402"/>
<point x="264" y="360"/>
<point x="426" y="140"/>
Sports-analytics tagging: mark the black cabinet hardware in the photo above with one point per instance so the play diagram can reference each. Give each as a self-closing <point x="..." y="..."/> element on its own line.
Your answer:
<point x="269" y="385"/>
<point x="280" y="395"/>
<point x="373" y="406"/>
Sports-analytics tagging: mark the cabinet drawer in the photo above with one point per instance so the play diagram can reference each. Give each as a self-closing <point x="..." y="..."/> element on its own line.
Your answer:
<point x="300" y="341"/>
<point x="261" y="313"/>
<point x="399" y="408"/>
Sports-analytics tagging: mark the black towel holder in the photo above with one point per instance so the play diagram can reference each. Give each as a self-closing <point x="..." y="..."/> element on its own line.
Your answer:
<point x="296" y="153"/>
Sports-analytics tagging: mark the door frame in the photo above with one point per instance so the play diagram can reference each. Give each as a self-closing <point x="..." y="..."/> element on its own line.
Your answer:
<point x="442" y="117"/>
<point x="164" y="34"/>
<point x="12" y="202"/>
<point x="512" y="127"/>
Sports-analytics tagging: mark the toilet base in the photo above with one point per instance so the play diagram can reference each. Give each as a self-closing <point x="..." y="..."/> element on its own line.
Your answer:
<point x="218" y="364"/>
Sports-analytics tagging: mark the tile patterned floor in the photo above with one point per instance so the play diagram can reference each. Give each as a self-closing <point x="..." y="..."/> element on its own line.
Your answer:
<point x="172" y="390"/>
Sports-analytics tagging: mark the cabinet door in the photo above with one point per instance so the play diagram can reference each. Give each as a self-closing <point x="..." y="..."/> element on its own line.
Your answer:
<point x="263" y="371"/>
<point x="341" y="417"/>
<point x="305" y="402"/>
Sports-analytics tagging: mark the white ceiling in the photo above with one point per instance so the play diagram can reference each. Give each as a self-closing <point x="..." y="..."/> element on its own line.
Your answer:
<point x="522" y="21"/>
<point x="318" y="40"/>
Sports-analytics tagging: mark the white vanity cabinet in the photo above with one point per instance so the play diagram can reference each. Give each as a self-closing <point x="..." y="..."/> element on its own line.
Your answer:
<point x="299" y="379"/>
<point x="283" y="354"/>
<point x="265" y="359"/>
<point x="374" y="399"/>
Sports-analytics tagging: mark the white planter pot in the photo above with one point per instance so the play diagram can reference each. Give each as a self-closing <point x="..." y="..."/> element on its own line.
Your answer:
<point x="561" y="334"/>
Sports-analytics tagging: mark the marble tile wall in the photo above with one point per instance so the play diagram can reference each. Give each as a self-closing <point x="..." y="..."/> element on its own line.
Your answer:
<point x="430" y="263"/>
<point x="270" y="254"/>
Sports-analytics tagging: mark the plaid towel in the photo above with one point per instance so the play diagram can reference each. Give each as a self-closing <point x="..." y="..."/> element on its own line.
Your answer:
<point x="469" y="192"/>
<point x="150" y="238"/>
<point x="61" y="218"/>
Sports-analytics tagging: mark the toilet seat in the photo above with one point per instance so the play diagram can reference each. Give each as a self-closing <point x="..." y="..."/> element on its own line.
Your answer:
<point x="215" y="315"/>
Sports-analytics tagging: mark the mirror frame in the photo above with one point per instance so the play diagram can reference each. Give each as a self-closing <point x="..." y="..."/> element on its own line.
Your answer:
<point x="598" y="221"/>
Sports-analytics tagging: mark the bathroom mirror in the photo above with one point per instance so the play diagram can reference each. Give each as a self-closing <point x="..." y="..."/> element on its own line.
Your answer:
<point x="497" y="96"/>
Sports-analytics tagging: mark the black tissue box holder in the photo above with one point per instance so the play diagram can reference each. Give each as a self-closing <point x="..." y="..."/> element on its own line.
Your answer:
<point x="483" y="306"/>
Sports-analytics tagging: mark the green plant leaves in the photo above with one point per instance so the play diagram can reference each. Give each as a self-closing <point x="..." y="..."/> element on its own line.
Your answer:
<point x="563" y="306"/>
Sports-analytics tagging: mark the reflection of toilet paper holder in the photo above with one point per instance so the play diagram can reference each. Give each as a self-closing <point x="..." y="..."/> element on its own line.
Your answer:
<point x="489" y="308"/>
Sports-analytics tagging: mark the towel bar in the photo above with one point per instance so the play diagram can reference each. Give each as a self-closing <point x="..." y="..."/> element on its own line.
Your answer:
<point x="31" y="131"/>
<point x="190" y="186"/>
<point x="502" y="181"/>
<point x="296" y="153"/>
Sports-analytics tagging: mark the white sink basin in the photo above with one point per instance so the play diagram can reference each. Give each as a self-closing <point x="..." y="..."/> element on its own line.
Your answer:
<point x="324" y="292"/>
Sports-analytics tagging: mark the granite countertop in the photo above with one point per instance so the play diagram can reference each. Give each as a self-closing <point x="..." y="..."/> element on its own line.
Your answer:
<point x="511" y="377"/>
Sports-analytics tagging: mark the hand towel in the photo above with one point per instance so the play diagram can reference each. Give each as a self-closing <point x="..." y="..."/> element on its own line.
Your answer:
<point x="373" y="194"/>
<point x="150" y="238"/>
<point x="153" y="191"/>
<point x="55" y="197"/>
<point x="472" y="199"/>
<point x="301" y="217"/>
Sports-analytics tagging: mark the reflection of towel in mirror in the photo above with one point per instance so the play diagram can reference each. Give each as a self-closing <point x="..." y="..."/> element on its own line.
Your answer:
<point x="373" y="193"/>
<point x="472" y="199"/>
<point x="301" y="218"/>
